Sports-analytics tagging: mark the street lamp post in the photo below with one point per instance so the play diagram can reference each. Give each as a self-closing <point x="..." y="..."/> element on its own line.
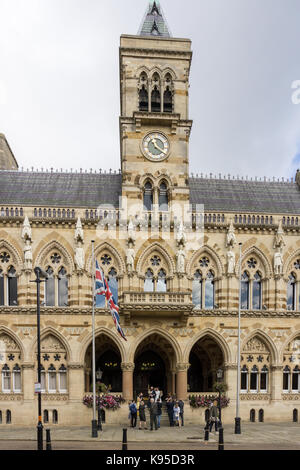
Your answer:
<point x="99" y="374"/>
<point x="39" y="274"/>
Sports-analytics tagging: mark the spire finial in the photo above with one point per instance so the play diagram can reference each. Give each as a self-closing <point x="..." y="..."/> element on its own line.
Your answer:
<point x="154" y="22"/>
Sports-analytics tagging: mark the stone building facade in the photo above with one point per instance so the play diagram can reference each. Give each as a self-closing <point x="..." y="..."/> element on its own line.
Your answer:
<point x="168" y="243"/>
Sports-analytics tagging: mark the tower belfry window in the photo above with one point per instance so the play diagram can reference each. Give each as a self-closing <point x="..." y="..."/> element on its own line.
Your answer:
<point x="155" y="100"/>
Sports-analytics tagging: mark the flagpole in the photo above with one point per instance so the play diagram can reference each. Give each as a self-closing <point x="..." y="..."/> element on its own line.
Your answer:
<point x="94" y="421"/>
<point x="237" y="429"/>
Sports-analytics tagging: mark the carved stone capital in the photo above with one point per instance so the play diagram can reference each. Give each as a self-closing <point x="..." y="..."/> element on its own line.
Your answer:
<point x="182" y="367"/>
<point x="127" y="366"/>
<point x="75" y="365"/>
<point x="28" y="365"/>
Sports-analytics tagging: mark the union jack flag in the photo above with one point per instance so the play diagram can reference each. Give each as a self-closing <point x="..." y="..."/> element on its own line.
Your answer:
<point x="100" y="281"/>
<point x="102" y="288"/>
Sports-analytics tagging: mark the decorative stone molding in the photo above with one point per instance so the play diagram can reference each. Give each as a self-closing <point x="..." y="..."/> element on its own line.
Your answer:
<point x="291" y="396"/>
<point x="182" y="367"/>
<point x="11" y="397"/>
<point x="255" y="396"/>
<point x="75" y="366"/>
<point x="54" y="397"/>
<point x="27" y="365"/>
<point x="127" y="367"/>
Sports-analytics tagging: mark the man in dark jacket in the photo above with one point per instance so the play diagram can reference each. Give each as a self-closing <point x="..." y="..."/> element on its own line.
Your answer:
<point x="170" y="407"/>
<point x="153" y="414"/>
<point x="133" y="413"/>
<point x="181" y="406"/>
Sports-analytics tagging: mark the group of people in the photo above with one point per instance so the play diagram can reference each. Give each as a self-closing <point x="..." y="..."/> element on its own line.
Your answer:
<point x="154" y="403"/>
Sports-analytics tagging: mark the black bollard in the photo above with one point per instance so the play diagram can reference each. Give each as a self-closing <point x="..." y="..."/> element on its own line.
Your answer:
<point x="124" y="444"/>
<point x="48" y="440"/>
<point x="221" y="438"/>
<point x="206" y="429"/>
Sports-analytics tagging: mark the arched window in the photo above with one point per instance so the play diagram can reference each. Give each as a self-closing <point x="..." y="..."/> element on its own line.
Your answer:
<point x="264" y="379"/>
<point x="295" y="380"/>
<point x="168" y="101"/>
<point x="155" y="101"/>
<point x="197" y="289"/>
<point x="43" y="379"/>
<point x="8" y="417"/>
<point x="245" y="291"/>
<point x="148" y="196"/>
<point x="51" y="379"/>
<point x="254" y="379"/>
<point x="257" y="292"/>
<point x="17" y="384"/>
<point x="46" y="416"/>
<point x="291" y="292"/>
<point x="244" y="379"/>
<point x="161" y="281"/>
<point x="163" y="197"/>
<point x="1" y="288"/>
<point x="143" y="99"/>
<point x="210" y="290"/>
<point x="50" y="288"/>
<point x="62" y="379"/>
<point x="12" y="287"/>
<point x="0" y="417"/>
<point x="149" y="281"/>
<point x="113" y="283"/>
<point x="54" y="416"/>
<point x="286" y="379"/>
<point x="62" y="288"/>
<point x="6" y="379"/>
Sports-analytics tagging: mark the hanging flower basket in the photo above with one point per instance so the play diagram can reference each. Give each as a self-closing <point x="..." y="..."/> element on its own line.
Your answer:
<point x="107" y="402"/>
<point x="205" y="401"/>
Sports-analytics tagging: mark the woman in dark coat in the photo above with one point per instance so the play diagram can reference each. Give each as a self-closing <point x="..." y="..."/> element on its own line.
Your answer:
<point x="142" y="415"/>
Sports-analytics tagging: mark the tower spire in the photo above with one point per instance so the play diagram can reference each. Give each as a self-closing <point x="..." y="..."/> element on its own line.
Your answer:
<point x="154" y="22"/>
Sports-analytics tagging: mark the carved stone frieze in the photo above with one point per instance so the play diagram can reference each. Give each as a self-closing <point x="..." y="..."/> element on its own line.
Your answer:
<point x="255" y="396"/>
<point x="11" y="397"/>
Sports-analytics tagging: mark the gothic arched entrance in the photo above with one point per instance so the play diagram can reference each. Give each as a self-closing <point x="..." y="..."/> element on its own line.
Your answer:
<point x="108" y="364"/>
<point x="205" y="359"/>
<point x="154" y="360"/>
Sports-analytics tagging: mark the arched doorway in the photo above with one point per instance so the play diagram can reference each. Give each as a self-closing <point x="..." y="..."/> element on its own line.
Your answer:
<point x="108" y="364"/>
<point x="205" y="359"/>
<point x="154" y="360"/>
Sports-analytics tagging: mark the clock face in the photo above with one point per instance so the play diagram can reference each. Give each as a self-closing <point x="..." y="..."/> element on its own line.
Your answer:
<point x="156" y="146"/>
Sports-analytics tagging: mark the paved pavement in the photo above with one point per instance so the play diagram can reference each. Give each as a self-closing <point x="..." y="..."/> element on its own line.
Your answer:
<point x="268" y="436"/>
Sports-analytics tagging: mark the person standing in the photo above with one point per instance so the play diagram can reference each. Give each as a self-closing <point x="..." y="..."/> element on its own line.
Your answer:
<point x="153" y="414"/>
<point x="176" y="413"/>
<point x="157" y="394"/>
<point x="213" y="416"/>
<point x="133" y="412"/>
<point x="159" y="411"/>
<point x="181" y="406"/>
<point x="142" y="415"/>
<point x="170" y="411"/>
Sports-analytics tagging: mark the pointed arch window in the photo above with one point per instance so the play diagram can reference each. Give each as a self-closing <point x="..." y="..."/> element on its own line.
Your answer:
<point x="63" y="290"/>
<point x="257" y="292"/>
<point x="155" y="100"/>
<point x="245" y="291"/>
<point x="296" y="380"/>
<point x="286" y="379"/>
<point x="197" y="289"/>
<point x="148" y="196"/>
<point x="149" y="281"/>
<point x="264" y="373"/>
<point x="1" y="287"/>
<point x="163" y="197"/>
<point x="143" y="99"/>
<point x="50" y="288"/>
<point x="6" y="379"/>
<point x="291" y="292"/>
<point x="113" y="283"/>
<point x="12" y="287"/>
<point x="51" y="379"/>
<point x="210" y="291"/>
<point x="161" y="281"/>
<point x="244" y="379"/>
<point x="168" y="101"/>
<point x="17" y="384"/>
<point x="254" y="379"/>
<point x="63" y="387"/>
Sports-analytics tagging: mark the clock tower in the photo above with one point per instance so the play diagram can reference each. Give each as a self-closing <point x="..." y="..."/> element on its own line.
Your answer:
<point x="154" y="124"/>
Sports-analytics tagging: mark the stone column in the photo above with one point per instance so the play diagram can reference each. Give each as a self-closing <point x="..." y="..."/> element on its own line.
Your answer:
<point x="173" y="388"/>
<point x="276" y="383"/>
<point x="29" y="377"/>
<point x="280" y="293"/>
<point x="181" y="381"/>
<point x="76" y="382"/>
<point x="127" y="380"/>
<point x="230" y="378"/>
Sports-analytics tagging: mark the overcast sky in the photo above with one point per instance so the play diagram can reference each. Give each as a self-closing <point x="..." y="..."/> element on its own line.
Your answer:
<point x="59" y="82"/>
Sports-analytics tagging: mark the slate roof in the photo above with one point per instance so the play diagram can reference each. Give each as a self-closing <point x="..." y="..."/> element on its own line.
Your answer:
<point x="154" y="22"/>
<point x="89" y="190"/>
<point x="245" y="196"/>
<point x="59" y="189"/>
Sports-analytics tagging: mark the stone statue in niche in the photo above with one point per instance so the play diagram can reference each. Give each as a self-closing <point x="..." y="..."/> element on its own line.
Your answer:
<point x="79" y="258"/>
<point x="180" y="255"/>
<point x="278" y="262"/>
<point x="231" y="239"/>
<point x="230" y="262"/>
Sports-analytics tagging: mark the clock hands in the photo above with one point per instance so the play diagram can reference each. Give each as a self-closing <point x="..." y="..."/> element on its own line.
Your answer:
<point x="157" y="146"/>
